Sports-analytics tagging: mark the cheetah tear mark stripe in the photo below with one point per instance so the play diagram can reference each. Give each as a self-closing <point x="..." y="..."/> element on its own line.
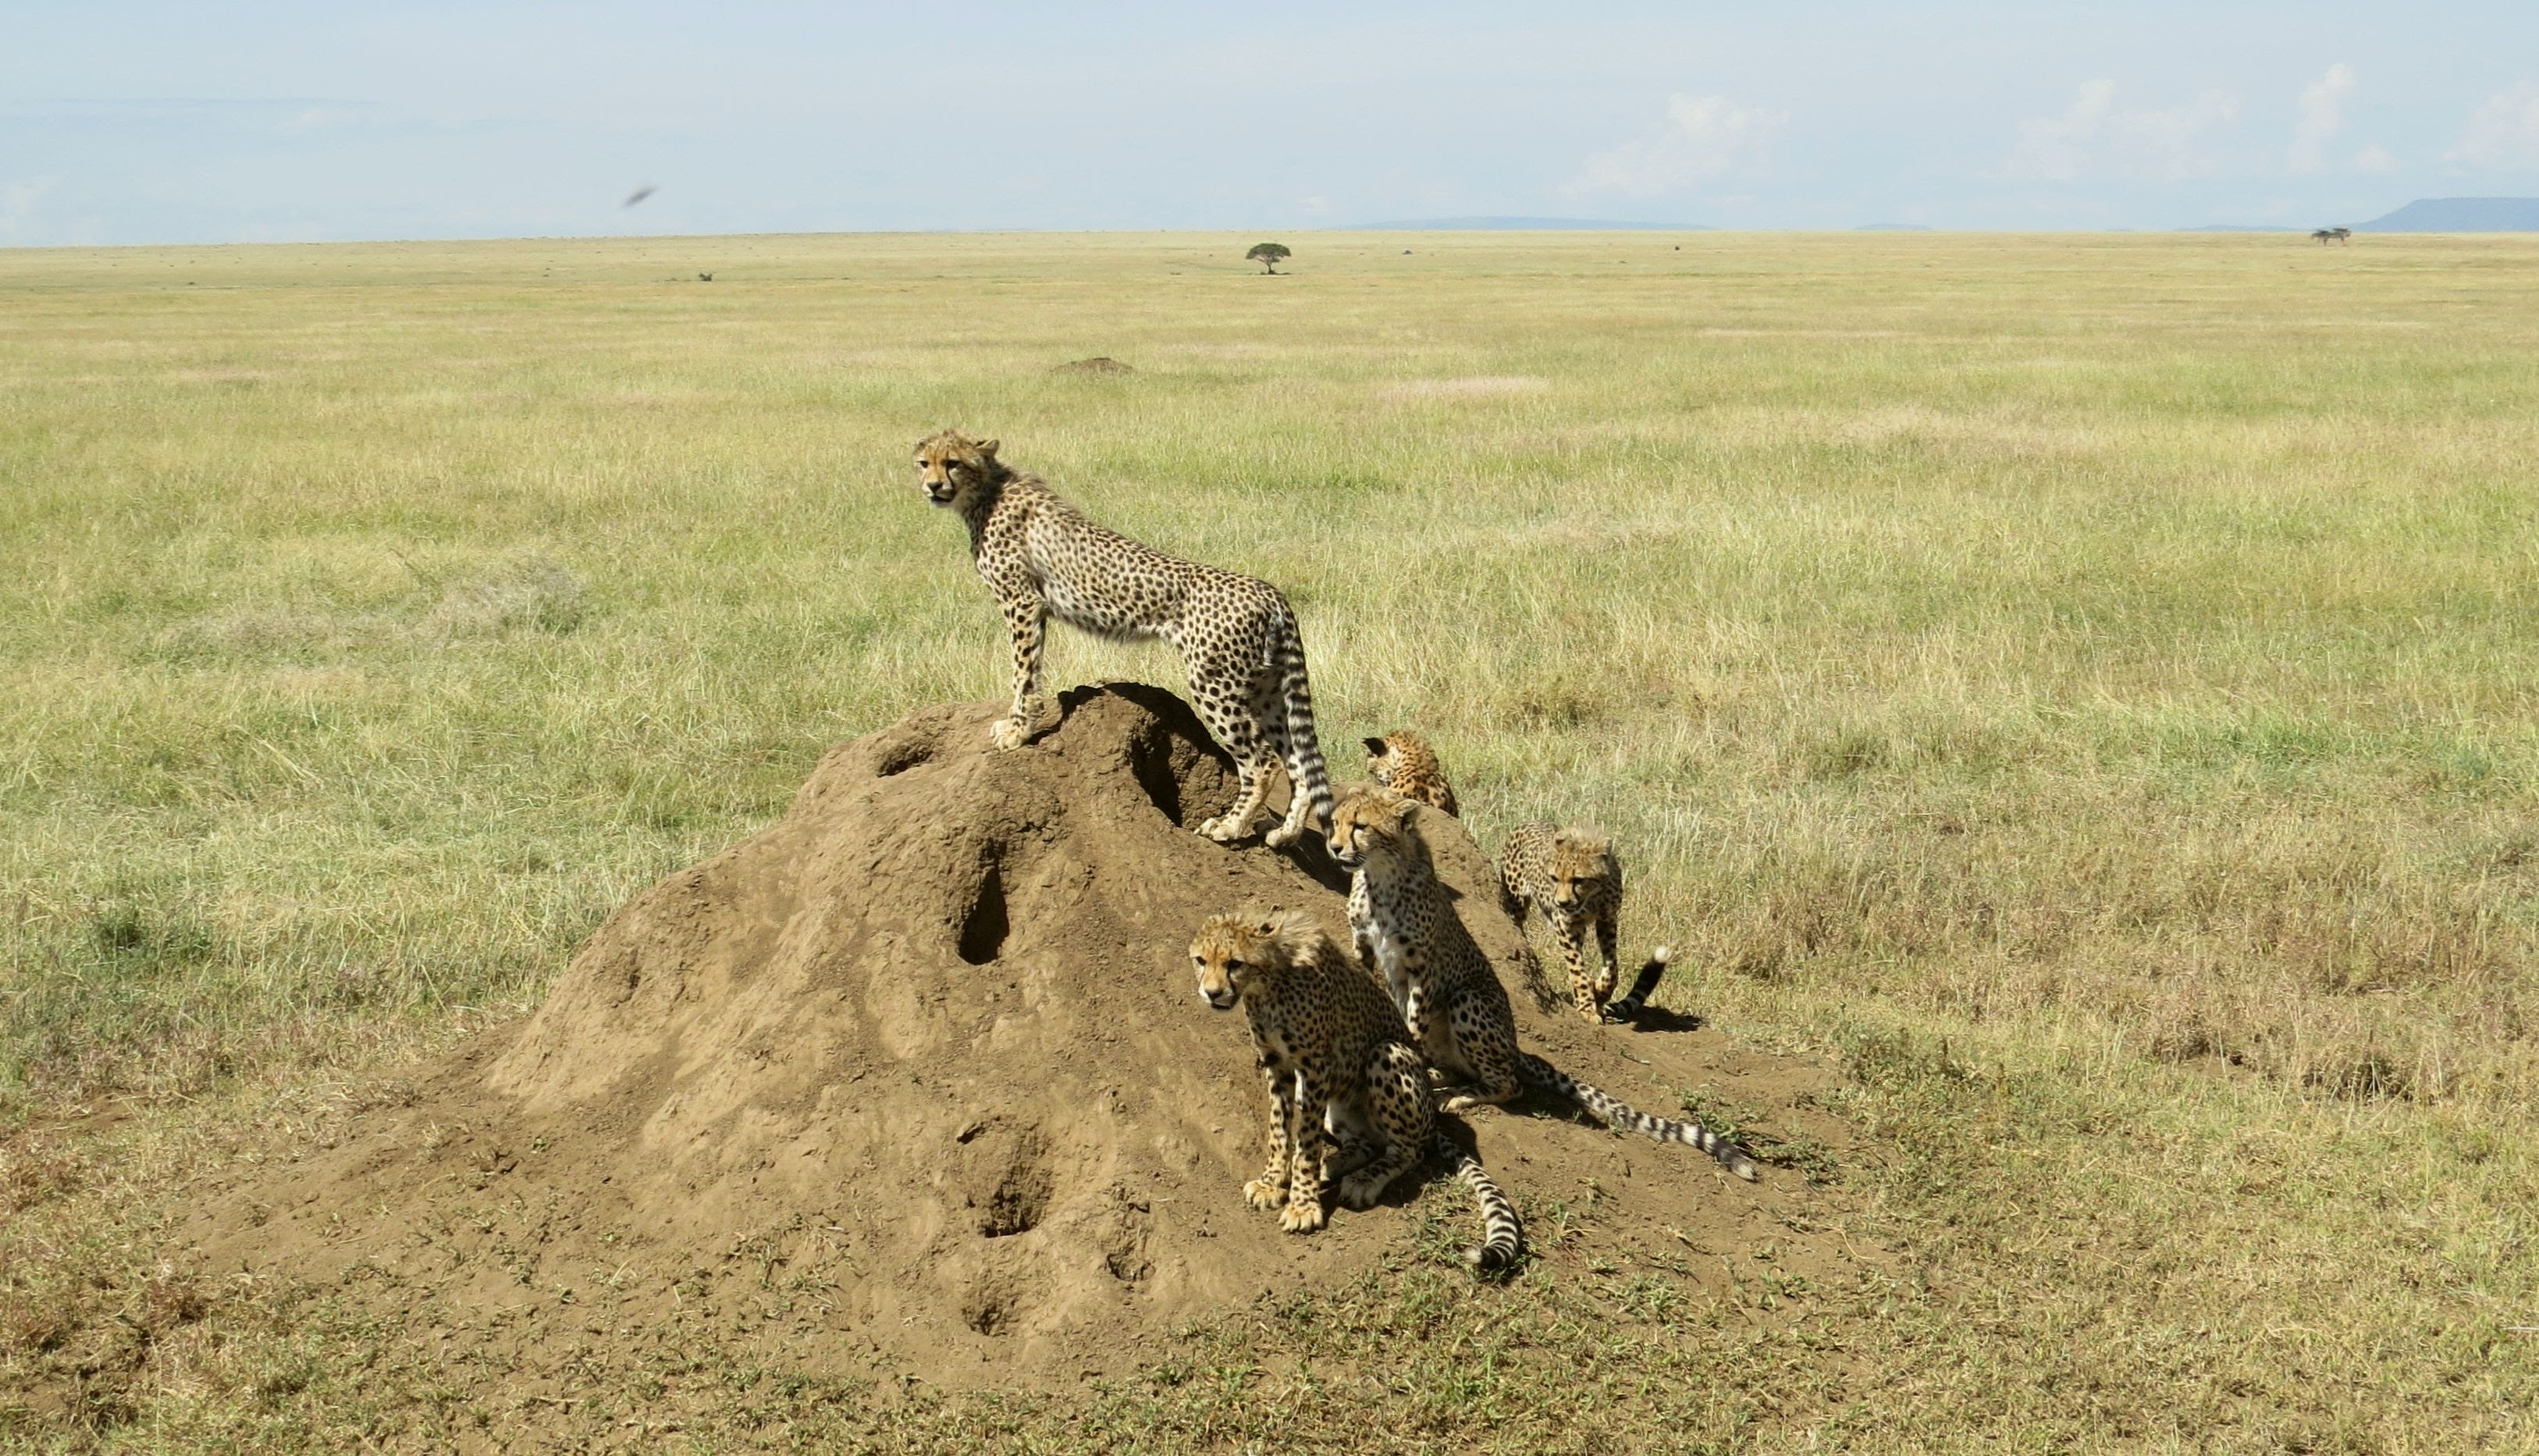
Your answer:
<point x="1630" y="1007"/>
<point x="1313" y="777"/>
<point x="1615" y="1113"/>
<point x="1501" y="1236"/>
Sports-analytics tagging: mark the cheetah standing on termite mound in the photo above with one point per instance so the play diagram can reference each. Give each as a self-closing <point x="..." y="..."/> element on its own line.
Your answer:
<point x="1403" y="762"/>
<point x="1236" y="634"/>
<point x="1457" y="1012"/>
<point x="1336" y="1060"/>
<point x="1574" y="878"/>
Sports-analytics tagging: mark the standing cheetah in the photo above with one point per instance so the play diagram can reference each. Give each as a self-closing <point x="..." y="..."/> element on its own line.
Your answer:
<point x="1236" y="634"/>
<point x="1405" y="763"/>
<point x="1336" y="1061"/>
<point x="1457" y="1012"/>
<point x="1574" y="878"/>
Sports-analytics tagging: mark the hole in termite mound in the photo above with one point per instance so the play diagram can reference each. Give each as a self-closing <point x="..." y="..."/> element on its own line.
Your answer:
<point x="984" y="927"/>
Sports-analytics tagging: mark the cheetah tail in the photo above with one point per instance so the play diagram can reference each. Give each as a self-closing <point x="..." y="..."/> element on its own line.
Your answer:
<point x="1630" y="1006"/>
<point x="1615" y="1113"/>
<point x="1501" y="1236"/>
<point x="1313" y="777"/>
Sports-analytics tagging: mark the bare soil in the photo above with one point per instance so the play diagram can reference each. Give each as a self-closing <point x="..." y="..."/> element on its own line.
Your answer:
<point x="915" y="1082"/>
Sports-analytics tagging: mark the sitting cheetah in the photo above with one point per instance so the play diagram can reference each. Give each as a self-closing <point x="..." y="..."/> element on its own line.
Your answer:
<point x="1405" y="763"/>
<point x="1574" y="878"/>
<point x="1236" y="634"/>
<point x="1457" y="1012"/>
<point x="1336" y="1061"/>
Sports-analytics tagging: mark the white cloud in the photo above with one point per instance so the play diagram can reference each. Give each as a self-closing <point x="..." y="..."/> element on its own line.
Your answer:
<point x="2375" y="158"/>
<point x="2322" y="116"/>
<point x="2503" y="132"/>
<point x="1313" y="206"/>
<point x="1704" y="136"/>
<point x="2094" y="135"/>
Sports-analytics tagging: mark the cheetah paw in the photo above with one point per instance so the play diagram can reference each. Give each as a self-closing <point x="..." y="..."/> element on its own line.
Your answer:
<point x="1223" y="829"/>
<point x="1260" y="1193"/>
<point x="1005" y="733"/>
<point x="1301" y="1217"/>
<point x="1359" y="1191"/>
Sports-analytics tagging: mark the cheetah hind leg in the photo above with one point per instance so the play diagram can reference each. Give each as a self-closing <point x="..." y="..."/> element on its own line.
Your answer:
<point x="1404" y="1114"/>
<point x="1250" y="789"/>
<point x="1241" y="737"/>
<point x="1488" y="1053"/>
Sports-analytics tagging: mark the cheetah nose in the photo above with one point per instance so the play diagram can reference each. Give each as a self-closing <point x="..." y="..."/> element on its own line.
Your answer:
<point x="1221" y="1000"/>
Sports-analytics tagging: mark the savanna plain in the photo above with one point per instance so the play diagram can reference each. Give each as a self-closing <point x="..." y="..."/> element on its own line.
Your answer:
<point x="2081" y="686"/>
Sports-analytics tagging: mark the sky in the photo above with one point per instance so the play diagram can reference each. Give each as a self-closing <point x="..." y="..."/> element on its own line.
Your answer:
<point x="260" y="120"/>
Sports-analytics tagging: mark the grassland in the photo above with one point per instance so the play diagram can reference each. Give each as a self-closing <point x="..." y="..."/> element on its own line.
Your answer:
<point x="2086" y="682"/>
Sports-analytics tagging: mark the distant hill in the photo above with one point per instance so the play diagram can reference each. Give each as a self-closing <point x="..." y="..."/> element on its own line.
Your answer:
<point x="1892" y="228"/>
<point x="2460" y="214"/>
<point x="1522" y="225"/>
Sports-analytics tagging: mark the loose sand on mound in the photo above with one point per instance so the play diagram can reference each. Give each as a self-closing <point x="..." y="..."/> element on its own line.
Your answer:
<point x="916" y="1082"/>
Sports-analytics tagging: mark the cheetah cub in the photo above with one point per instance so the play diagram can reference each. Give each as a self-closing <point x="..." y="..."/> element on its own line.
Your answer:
<point x="1457" y="1012"/>
<point x="1336" y="1061"/>
<point x="1405" y="763"/>
<point x="1236" y="634"/>
<point x="1575" y="879"/>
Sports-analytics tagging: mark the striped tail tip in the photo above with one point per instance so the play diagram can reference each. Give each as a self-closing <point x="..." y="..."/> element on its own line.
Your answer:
<point x="1642" y="987"/>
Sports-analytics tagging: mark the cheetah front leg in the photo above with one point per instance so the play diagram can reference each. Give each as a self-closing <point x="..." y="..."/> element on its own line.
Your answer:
<point x="1027" y="618"/>
<point x="1570" y="934"/>
<point x="1269" y="1190"/>
<point x="1304" y="1213"/>
<point x="1608" y="933"/>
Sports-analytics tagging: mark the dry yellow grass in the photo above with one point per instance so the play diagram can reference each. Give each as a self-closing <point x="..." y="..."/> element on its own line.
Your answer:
<point x="2085" y="680"/>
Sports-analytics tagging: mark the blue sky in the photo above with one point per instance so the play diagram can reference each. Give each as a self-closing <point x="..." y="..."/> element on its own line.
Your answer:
<point x="255" y="122"/>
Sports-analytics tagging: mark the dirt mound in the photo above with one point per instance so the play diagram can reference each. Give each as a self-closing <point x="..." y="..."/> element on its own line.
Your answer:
<point x="916" y="1081"/>
<point x="1100" y="363"/>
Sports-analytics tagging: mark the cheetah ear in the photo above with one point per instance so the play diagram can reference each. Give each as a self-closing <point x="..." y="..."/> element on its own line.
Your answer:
<point x="988" y="447"/>
<point x="1375" y="745"/>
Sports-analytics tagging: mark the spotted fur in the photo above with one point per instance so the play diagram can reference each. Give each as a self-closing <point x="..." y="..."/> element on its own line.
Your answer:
<point x="1236" y="634"/>
<point x="1575" y="879"/>
<point x="1450" y="998"/>
<point x="1403" y="762"/>
<point x="1348" y="1095"/>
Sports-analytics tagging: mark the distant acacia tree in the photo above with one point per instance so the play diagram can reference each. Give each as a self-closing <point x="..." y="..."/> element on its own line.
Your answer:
<point x="1266" y="254"/>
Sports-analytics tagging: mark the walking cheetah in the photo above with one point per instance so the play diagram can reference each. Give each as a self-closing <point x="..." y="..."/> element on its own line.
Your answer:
<point x="1457" y="1012"/>
<point x="1405" y="763"/>
<point x="1574" y="878"/>
<point x="1336" y="1061"/>
<point x="1236" y="634"/>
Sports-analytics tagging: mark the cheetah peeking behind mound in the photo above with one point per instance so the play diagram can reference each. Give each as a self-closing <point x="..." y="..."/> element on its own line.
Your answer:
<point x="1236" y="634"/>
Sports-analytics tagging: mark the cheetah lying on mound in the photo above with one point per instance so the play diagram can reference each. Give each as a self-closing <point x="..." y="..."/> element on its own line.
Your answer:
<point x="1575" y="879"/>
<point x="1338" y="1061"/>
<point x="1457" y="1012"/>
<point x="1236" y="634"/>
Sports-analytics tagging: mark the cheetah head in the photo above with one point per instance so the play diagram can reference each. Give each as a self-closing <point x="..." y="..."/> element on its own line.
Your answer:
<point x="1369" y="822"/>
<point x="949" y="464"/>
<point x="1582" y="864"/>
<point x="1232" y="952"/>
<point x="1381" y="760"/>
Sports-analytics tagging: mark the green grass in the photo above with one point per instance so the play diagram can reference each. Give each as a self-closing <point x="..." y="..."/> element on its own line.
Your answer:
<point x="2086" y="682"/>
